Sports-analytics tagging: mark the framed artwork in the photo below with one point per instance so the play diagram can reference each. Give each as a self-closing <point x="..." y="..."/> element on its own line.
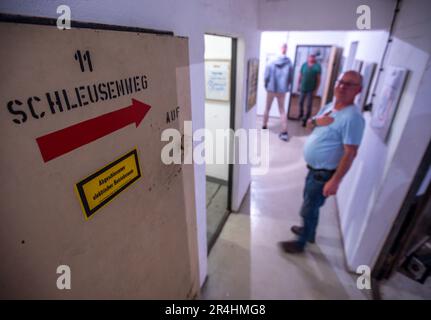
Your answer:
<point x="386" y="107"/>
<point x="351" y="56"/>
<point x="368" y="69"/>
<point x="217" y="80"/>
<point x="357" y="65"/>
<point x="252" y="74"/>
<point x="325" y="59"/>
<point x="341" y="66"/>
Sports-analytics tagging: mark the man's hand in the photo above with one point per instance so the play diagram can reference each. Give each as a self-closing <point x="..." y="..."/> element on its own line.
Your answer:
<point x="324" y="120"/>
<point x="331" y="187"/>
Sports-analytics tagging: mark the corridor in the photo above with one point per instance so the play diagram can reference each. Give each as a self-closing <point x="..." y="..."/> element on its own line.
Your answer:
<point x="128" y="147"/>
<point x="246" y="263"/>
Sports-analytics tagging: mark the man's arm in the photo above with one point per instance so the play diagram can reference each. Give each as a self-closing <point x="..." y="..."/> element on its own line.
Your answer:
<point x="331" y="187"/>
<point x="320" y="120"/>
<point x="290" y="79"/>
<point x="266" y="76"/>
<point x="299" y="81"/>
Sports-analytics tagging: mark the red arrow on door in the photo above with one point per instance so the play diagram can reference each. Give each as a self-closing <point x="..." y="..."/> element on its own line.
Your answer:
<point x="65" y="140"/>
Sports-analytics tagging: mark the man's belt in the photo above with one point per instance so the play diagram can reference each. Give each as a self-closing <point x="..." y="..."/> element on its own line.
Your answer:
<point x="322" y="170"/>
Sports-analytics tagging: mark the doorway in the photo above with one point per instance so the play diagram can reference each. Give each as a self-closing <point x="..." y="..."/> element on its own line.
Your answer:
<point x="220" y="75"/>
<point x="404" y="263"/>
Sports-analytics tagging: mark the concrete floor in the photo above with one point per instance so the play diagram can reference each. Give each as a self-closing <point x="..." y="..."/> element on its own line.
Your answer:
<point x="246" y="263"/>
<point x="401" y="287"/>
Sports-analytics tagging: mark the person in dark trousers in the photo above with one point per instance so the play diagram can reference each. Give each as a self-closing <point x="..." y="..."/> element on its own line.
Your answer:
<point x="309" y="82"/>
<point x="278" y="81"/>
<point x="329" y="152"/>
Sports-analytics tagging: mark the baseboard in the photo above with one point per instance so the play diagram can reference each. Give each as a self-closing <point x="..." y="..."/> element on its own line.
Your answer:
<point x="346" y="265"/>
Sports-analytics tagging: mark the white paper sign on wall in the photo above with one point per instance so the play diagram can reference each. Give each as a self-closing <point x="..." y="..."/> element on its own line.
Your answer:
<point x="217" y="80"/>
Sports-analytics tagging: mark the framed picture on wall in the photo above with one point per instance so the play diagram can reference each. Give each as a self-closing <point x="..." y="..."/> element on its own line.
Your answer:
<point x="252" y="74"/>
<point x="386" y="107"/>
<point x="368" y="69"/>
<point x="357" y="65"/>
<point x="326" y="60"/>
<point x="217" y="80"/>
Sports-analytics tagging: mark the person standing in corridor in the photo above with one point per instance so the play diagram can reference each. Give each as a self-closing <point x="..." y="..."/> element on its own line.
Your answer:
<point x="278" y="81"/>
<point x="329" y="153"/>
<point x="309" y="82"/>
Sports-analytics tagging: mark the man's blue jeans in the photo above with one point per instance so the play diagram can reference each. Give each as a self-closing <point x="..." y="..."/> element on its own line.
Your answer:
<point x="309" y="96"/>
<point x="313" y="200"/>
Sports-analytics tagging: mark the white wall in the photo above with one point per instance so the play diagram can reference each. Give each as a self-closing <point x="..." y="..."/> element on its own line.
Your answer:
<point x="371" y="45"/>
<point x="306" y="15"/>
<point x="217" y="113"/>
<point x="186" y="18"/>
<point x="242" y="173"/>
<point x="372" y="193"/>
<point x="271" y="43"/>
<point x="217" y="47"/>
<point x="354" y="195"/>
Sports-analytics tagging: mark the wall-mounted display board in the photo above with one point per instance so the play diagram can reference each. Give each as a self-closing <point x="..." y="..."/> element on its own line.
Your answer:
<point x="252" y="77"/>
<point x="357" y="65"/>
<point x="81" y="117"/>
<point x="367" y="72"/>
<point x="217" y="80"/>
<point x="387" y="104"/>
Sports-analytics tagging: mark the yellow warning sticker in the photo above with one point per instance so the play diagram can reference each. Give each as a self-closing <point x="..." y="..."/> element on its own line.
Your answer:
<point x="101" y="187"/>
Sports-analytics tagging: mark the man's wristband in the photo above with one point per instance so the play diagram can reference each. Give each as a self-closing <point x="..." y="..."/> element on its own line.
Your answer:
<point x="314" y="122"/>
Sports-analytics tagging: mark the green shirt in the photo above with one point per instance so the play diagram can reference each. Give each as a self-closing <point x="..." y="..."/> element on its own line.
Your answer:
<point x="309" y="76"/>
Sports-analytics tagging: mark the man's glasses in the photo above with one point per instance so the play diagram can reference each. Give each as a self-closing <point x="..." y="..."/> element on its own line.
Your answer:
<point x="347" y="84"/>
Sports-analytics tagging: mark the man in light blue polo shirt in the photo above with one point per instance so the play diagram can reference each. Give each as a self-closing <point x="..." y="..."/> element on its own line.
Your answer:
<point x="329" y="152"/>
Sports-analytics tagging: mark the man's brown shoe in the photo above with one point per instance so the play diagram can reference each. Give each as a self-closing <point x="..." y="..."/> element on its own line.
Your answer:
<point x="298" y="231"/>
<point x="291" y="246"/>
